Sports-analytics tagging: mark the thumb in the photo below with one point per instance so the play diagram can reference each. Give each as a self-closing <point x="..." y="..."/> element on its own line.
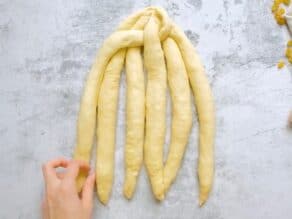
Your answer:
<point x="87" y="191"/>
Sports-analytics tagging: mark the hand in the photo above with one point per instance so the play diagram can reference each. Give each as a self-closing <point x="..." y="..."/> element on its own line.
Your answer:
<point x="62" y="200"/>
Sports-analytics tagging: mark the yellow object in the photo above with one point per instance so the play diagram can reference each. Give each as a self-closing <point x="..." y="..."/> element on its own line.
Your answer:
<point x="277" y="3"/>
<point x="135" y="117"/>
<point x="279" y="12"/>
<point x="289" y="54"/>
<point x="205" y="110"/>
<point x="281" y="64"/>
<point x="279" y="16"/>
<point x="106" y="129"/>
<point x="107" y="110"/>
<point x="181" y="110"/>
<point x="275" y="7"/>
<point x="286" y="2"/>
<point x="155" y="107"/>
<point x="161" y="39"/>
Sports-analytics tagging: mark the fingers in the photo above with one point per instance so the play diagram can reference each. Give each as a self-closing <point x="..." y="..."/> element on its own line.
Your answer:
<point x="87" y="191"/>
<point x="49" y="171"/>
<point x="73" y="169"/>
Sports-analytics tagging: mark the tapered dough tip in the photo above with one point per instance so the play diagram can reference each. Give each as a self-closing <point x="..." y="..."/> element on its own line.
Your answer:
<point x="127" y="193"/>
<point x="160" y="197"/>
<point x="103" y="200"/>
<point x="127" y="196"/>
<point x="201" y="203"/>
<point x="202" y="199"/>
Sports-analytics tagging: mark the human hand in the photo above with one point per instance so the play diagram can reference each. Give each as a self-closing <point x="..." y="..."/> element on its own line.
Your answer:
<point x="62" y="200"/>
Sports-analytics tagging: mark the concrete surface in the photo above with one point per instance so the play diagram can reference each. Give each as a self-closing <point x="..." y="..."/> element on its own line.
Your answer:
<point x="46" y="50"/>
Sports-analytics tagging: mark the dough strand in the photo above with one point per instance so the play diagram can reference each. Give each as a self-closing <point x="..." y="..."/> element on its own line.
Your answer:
<point x="106" y="126"/>
<point x="181" y="110"/>
<point x="135" y="118"/>
<point x="155" y="107"/>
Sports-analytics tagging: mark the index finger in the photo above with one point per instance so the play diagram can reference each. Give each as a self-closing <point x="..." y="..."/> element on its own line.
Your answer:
<point x="49" y="168"/>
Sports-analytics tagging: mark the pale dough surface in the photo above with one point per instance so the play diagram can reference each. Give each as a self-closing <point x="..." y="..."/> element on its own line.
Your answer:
<point x="181" y="110"/>
<point x="205" y="110"/>
<point x="135" y="118"/>
<point x="155" y="107"/>
<point x="106" y="126"/>
<point x="153" y="28"/>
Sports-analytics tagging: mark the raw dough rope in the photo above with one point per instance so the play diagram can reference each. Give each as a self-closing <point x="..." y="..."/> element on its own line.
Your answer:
<point x="169" y="57"/>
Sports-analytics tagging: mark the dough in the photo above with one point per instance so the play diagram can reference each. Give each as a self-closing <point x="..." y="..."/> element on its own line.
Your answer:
<point x="88" y="107"/>
<point x="205" y="110"/>
<point x="181" y="110"/>
<point x="148" y="28"/>
<point x="135" y="117"/>
<point x="106" y="126"/>
<point x="155" y="107"/>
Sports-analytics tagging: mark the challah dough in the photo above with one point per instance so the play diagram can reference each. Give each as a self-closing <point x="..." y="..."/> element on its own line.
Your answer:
<point x="149" y="29"/>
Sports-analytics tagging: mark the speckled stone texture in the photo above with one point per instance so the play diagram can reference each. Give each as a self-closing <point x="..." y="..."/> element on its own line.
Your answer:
<point x="46" y="50"/>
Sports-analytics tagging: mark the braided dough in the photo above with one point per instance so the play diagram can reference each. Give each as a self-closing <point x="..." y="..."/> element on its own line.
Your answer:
<point x="169" y="58"/>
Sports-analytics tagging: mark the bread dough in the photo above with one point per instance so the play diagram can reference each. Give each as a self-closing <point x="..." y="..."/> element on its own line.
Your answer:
<point x="106" y="126"/>
<point x="150" y="28"/>
<point x="135" y="117"/>
<point x="88" y="107"/>
<point x="205" y="110"/>
<point x="155" y="107"/>
<point x="87" y="114"/>
<point x="181" y="110"/>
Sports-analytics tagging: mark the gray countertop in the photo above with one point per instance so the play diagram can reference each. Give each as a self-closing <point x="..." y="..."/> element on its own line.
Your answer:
<point x="46" y="50"/>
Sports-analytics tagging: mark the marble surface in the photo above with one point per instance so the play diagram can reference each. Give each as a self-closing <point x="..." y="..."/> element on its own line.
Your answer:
<point x="46" y="50"/>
